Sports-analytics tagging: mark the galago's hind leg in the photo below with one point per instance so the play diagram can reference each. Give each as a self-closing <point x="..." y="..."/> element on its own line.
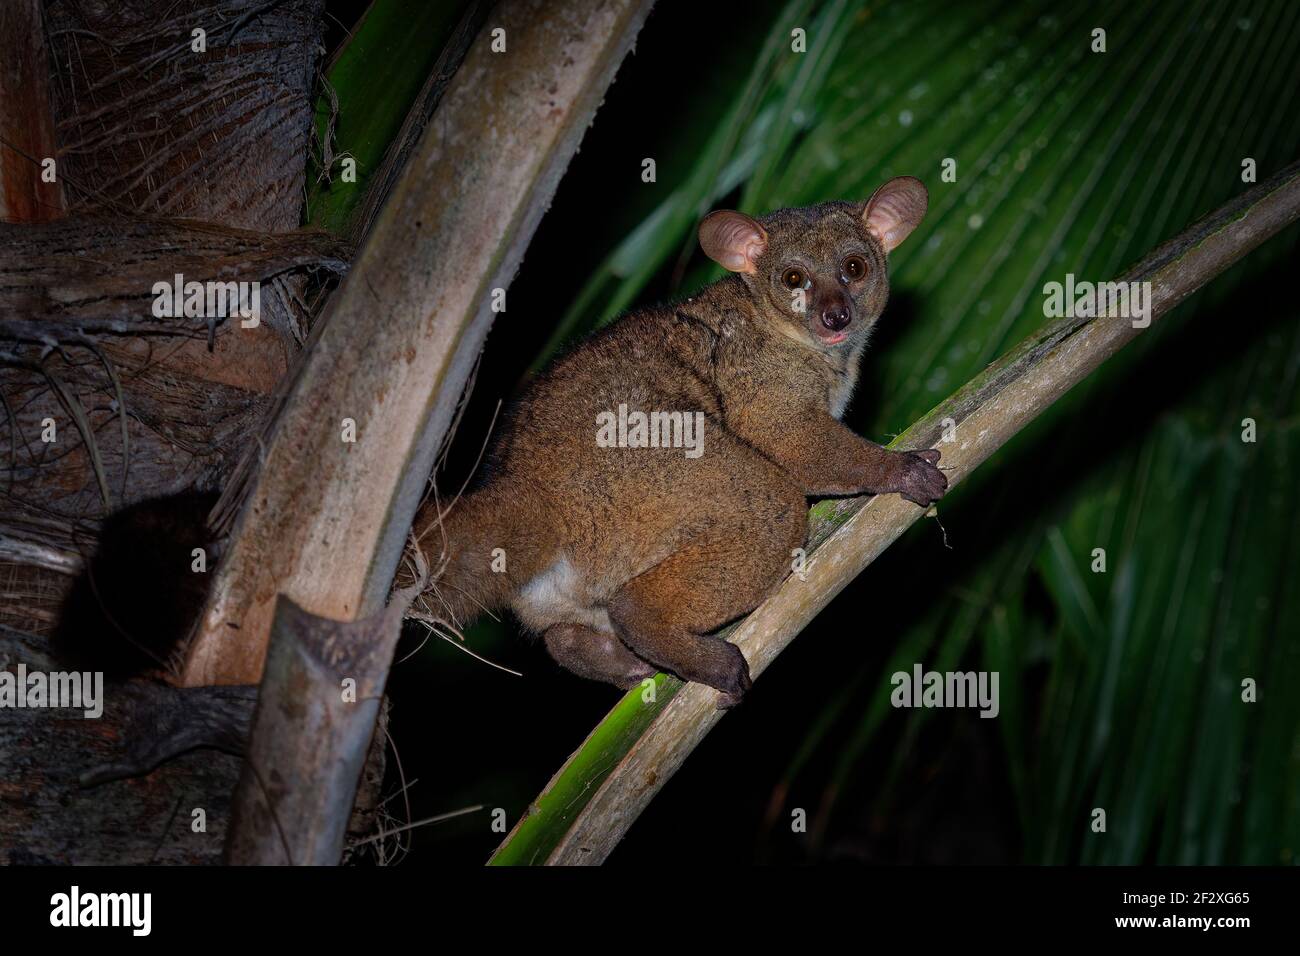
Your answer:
<point x="667" y="614"/>
<point x="595" y="655"/>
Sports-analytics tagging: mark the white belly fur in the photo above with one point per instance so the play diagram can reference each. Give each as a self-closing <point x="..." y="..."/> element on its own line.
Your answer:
<point x="559" y="596"/>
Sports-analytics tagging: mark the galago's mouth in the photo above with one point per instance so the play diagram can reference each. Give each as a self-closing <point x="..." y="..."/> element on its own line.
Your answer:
<point x="827" y="337"/>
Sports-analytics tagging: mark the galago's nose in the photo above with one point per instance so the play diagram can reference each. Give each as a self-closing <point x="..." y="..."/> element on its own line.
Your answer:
<point x="835" y="317"/>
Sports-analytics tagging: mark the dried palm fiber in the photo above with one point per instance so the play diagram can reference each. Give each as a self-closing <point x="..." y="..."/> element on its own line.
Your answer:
<point x="173" y="161"/>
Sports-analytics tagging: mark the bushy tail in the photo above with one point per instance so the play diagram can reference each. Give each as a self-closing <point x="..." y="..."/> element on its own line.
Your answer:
<point x="478" y="551"/>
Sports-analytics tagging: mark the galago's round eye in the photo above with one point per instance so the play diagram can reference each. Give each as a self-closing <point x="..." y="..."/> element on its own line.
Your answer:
<point x="793" y="279"/>
<point x="855" y="267"/>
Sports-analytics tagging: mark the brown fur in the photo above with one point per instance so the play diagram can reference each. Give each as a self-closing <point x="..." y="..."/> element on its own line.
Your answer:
<point x="627" y="559"/>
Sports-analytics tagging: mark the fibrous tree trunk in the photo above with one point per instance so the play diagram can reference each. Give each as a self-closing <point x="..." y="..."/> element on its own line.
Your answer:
<point x="117" y="426"/>
<point x="29" y="187"/>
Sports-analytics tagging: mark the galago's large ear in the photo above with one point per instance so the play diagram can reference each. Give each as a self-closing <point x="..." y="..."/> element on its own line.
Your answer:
<point x="733" y="240"/>
<point x="895" y="209"/>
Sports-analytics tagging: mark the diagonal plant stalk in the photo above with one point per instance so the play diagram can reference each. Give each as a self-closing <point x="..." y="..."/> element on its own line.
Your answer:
<point x="600" y="791"/>
<point x="392" y="355"/>
<point x="388" y="364"/>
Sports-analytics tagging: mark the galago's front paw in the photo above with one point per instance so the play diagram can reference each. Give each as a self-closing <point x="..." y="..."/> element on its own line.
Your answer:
<point x="919" y="478"/>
